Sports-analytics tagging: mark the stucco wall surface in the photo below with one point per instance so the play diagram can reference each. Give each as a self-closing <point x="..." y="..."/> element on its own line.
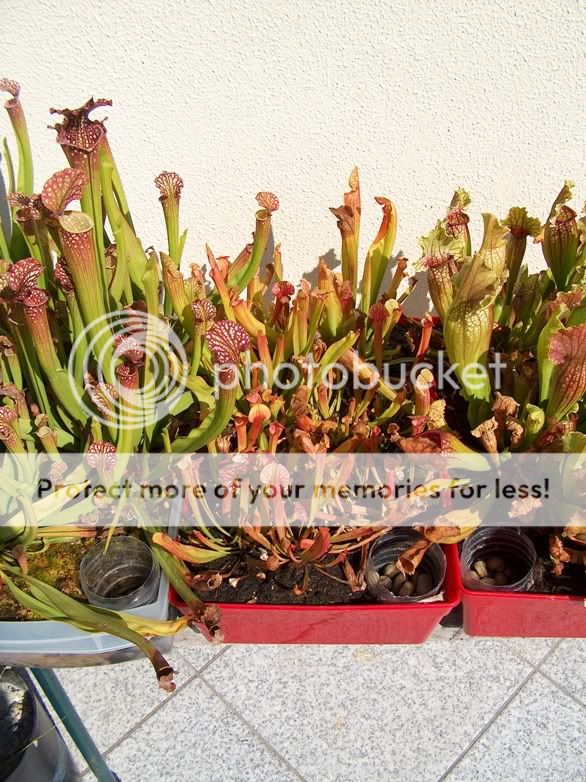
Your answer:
<point x="288" y="95"/>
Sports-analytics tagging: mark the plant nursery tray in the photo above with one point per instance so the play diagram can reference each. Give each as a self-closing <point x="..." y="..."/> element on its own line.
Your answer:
<point x="523" y="614"/>
<point x="47" y="643"/>
<point x="376" y="623"/>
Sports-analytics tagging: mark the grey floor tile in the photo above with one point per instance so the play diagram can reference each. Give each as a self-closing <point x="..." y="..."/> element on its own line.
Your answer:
<point x="532" y="649"/>
<point x="463" y="637"/>
<point x="539" y="735"/>
<point x="373" y="712"/>
<point x="196" y="737"/>
<point x="196" y="649"/>
<point x="189" y="638"/>
<point x="443" y="634"/>
<point x="114" y="698"/>
<point x="567" y="666"/>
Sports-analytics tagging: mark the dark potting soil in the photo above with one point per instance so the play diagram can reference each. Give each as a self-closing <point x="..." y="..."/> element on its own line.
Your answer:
<point x="276" y="588"/>
<point x="572" y="581"/>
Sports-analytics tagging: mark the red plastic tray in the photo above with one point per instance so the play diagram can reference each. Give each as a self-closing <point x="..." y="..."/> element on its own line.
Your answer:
<point x="379" y="623"/>
<point x="523" y="614"/>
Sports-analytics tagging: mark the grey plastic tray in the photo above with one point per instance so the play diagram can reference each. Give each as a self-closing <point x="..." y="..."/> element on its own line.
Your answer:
<point x="28" y="643"/>
<point x="46" y="643"/>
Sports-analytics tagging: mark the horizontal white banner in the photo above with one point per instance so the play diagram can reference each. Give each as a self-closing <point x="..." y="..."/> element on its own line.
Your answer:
<point x="103" y="488"/>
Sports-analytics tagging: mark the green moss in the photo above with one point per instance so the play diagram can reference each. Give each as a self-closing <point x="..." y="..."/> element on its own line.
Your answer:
<point x="57" y="565"/>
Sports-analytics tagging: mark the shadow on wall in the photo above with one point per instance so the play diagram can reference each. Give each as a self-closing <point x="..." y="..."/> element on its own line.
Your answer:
<point x="419" y="303"/>
<point x="265" y="261"/>
<point x="416" y="305"/>
<point x="269" y="253"/>
<point x="330" y="259"/>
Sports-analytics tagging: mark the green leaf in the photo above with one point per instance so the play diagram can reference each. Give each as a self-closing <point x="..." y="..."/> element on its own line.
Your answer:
<point x="332" y="355"/>
<point x="544" y="363"/>
<point x="469" y="320"/>
<point x="379" y="255"/>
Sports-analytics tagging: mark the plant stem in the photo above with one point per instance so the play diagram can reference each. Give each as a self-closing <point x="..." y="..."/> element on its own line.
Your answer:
<point x="4" y="251"/>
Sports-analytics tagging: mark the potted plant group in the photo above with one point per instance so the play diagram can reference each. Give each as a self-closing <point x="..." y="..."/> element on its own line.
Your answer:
<point x="488" y="305"/>
<point x="529" y="580"/>
<point x="78" y="282"/>
<point x="113" y="354"/>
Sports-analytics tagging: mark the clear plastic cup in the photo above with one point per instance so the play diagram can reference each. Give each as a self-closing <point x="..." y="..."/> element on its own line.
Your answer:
<point x="124" y="575"/>
<point x="387" y="550"/>
<point x="512" y="545"/>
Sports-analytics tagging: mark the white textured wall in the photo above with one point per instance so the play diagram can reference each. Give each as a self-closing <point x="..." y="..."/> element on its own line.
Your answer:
<point x="288" y="95"/>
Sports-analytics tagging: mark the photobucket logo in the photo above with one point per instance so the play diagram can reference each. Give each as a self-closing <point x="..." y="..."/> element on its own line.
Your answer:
<point x="133" y="366"/>
<point x="363" y="376"/>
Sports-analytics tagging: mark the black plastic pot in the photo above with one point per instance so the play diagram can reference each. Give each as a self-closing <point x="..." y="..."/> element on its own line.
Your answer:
<point x="31" y="749"/>
<point x="512" y="545"/>
<point x="387" y="550"/>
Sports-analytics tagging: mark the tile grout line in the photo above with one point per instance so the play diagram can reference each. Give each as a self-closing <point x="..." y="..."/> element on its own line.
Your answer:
<point x="522" y="657"/>
<point x="162" y="704"/>
<point x="212" y="660"/>
<point x="86" y="770"/>
<point x="493" y="719"/>
<point x="485" y="727"/>
<point x="563" y="689"/>
<point x="198" y="674"/>
<point x="254" y="731"/>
